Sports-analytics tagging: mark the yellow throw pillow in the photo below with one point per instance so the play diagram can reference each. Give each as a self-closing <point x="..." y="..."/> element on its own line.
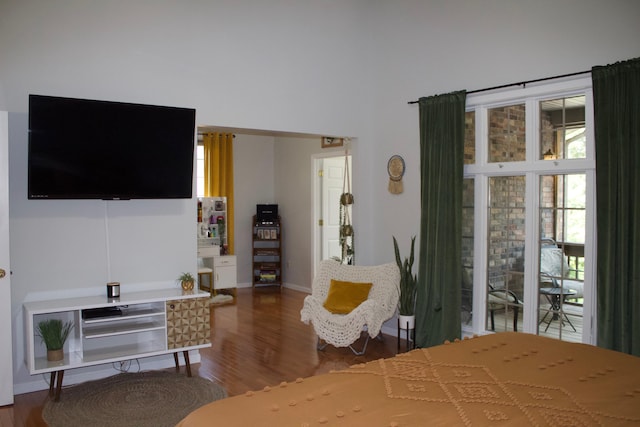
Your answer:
<point x="345" y="296"/>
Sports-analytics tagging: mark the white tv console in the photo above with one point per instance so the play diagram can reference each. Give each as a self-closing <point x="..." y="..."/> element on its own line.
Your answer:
<point x="149" y="323"/>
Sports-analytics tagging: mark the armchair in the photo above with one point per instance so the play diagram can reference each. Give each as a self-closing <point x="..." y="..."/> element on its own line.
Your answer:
<point x="342" y="330"/>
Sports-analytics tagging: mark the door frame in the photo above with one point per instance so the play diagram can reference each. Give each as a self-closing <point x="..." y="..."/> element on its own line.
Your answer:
<point x="6" y="350"/>
<point x="317" y="208"/>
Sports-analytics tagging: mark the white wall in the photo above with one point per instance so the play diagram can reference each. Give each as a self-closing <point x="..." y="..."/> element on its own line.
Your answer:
<point x="336" y="67"/>
<point x="262" y="65"/>
<point x="294" y="193"/>
<point x="253" y="167"/>
<point x="424" y="48"/>
<point x="254" y="64"/>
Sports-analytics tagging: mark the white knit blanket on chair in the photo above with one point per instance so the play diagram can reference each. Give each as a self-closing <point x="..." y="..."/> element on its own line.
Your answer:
<point x="342" y="330"/>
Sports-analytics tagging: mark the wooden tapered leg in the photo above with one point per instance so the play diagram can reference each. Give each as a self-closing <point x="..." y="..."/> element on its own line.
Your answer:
<point x="187" y="363"/>
<point x="58" y="386"/>
<point x="175" y="359"/>
<point x="52" y="382"/>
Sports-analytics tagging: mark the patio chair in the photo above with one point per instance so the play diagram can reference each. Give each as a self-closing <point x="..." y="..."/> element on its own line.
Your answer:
<point x="554" y="269"/>
<point x="503" y="299"/>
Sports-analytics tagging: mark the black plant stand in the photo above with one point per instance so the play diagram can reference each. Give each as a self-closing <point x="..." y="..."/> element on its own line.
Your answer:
<point x="410" y="334"/>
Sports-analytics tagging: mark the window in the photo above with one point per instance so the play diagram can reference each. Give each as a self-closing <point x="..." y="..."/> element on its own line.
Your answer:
<point x="562" y="128"/>
<point x="507" y="138"/>
<point x="562" y="215"/>
<point x="200" y="171"/>
<point x="528" y="203"/>
<point x="467" y="250"/>
<point x="505" y="250"/>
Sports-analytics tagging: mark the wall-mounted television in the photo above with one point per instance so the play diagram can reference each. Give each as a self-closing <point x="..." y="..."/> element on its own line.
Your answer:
<point x="90" y="149"/>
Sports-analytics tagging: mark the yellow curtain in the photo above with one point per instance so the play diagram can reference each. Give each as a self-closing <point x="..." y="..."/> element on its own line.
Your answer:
<point x="218" y="174"/>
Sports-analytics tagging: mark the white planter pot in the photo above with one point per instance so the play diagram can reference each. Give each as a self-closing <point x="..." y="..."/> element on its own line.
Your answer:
<point x="406" y="322"/>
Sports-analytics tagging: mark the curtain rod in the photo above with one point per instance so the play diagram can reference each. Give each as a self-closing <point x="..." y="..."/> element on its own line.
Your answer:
<point x="523" y="84"/>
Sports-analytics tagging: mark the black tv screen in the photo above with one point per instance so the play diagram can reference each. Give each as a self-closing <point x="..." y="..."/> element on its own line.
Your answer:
<point x="88" y="149"/>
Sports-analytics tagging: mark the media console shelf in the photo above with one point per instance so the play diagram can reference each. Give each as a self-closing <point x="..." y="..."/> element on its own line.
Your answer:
<point x="136" y="325"/>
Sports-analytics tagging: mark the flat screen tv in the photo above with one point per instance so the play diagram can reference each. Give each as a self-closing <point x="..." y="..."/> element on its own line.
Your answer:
<point x="88" y="149"/>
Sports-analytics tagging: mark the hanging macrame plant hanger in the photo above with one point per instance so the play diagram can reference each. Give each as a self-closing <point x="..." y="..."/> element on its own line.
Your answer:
<point x="346" y="229"/>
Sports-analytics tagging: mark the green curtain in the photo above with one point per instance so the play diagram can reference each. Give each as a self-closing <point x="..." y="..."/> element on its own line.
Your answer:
<point x="439" y="262"/>
<point x="616" y="95"/>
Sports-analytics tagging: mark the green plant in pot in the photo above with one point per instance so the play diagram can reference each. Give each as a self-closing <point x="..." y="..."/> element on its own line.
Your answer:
<point x="408" y="286"/>
<point x="187" y="281"/>
<point x="54" y="334"/>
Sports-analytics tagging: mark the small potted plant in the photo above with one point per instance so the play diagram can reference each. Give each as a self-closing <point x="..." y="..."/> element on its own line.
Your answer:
<point x="187" y="281"/>
<point x="54" y="333"/>
<point x="408" y="287"/>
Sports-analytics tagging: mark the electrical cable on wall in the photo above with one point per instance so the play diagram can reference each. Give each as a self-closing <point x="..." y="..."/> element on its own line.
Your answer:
<point x="106" y="240"/>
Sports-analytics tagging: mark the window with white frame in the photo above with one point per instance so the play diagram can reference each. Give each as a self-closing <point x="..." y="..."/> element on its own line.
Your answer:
<point x="200" y="170"/>
<point x="528" y="212"/>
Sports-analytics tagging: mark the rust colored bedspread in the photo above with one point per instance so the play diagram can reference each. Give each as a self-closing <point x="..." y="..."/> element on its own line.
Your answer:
<point x="513" y="379"/>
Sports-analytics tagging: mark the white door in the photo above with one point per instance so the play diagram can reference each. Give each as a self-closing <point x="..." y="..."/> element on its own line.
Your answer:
<point x="6" y="356"/>
<point x="328" y="183"/>
<point x="332" y="183"/>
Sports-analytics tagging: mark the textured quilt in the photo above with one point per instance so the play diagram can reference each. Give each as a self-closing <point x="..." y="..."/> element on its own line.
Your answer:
<point x="506" y="379"/>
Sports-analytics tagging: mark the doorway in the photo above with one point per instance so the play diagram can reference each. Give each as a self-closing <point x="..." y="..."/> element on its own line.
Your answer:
<point x="328" y="173"/>
<point x="299" y="198"/>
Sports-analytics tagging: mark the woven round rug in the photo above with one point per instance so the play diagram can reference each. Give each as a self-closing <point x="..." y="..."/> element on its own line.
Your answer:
<point x="154" y="398"/>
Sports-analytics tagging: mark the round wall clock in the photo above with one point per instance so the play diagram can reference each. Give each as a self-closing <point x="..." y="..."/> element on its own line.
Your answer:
<point x="395" y="169"/>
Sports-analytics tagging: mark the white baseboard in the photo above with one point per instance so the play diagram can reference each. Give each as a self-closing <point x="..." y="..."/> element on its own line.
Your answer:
<point x="244" y="285"/>
<point x="297" y="288"/>
<point x="388" y="330"/>
<point x="293" y="286"/>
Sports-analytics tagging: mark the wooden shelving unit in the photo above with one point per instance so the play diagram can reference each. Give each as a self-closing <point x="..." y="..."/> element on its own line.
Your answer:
<point x="267" y="253"/>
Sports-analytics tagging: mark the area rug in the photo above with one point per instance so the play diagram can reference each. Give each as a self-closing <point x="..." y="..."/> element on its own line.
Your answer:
<point x="154" y="398"/>
<point x="221" y="299"/>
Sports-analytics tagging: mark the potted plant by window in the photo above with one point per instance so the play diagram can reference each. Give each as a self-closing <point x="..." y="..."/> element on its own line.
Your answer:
<point x="54" y="333"/>
<point x="187" y="281"/>
<point x="408" y="283"/>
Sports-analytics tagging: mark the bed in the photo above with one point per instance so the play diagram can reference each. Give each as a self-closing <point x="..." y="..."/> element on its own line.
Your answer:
<point x="495" y="380"/>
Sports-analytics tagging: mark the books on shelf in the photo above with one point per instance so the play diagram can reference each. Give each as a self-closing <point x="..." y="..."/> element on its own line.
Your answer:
<point x="267" y="275"/>
<point x="266" y="252"/>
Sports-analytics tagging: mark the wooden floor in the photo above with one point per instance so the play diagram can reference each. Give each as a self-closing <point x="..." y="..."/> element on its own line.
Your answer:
<point x="258" y="341"/>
